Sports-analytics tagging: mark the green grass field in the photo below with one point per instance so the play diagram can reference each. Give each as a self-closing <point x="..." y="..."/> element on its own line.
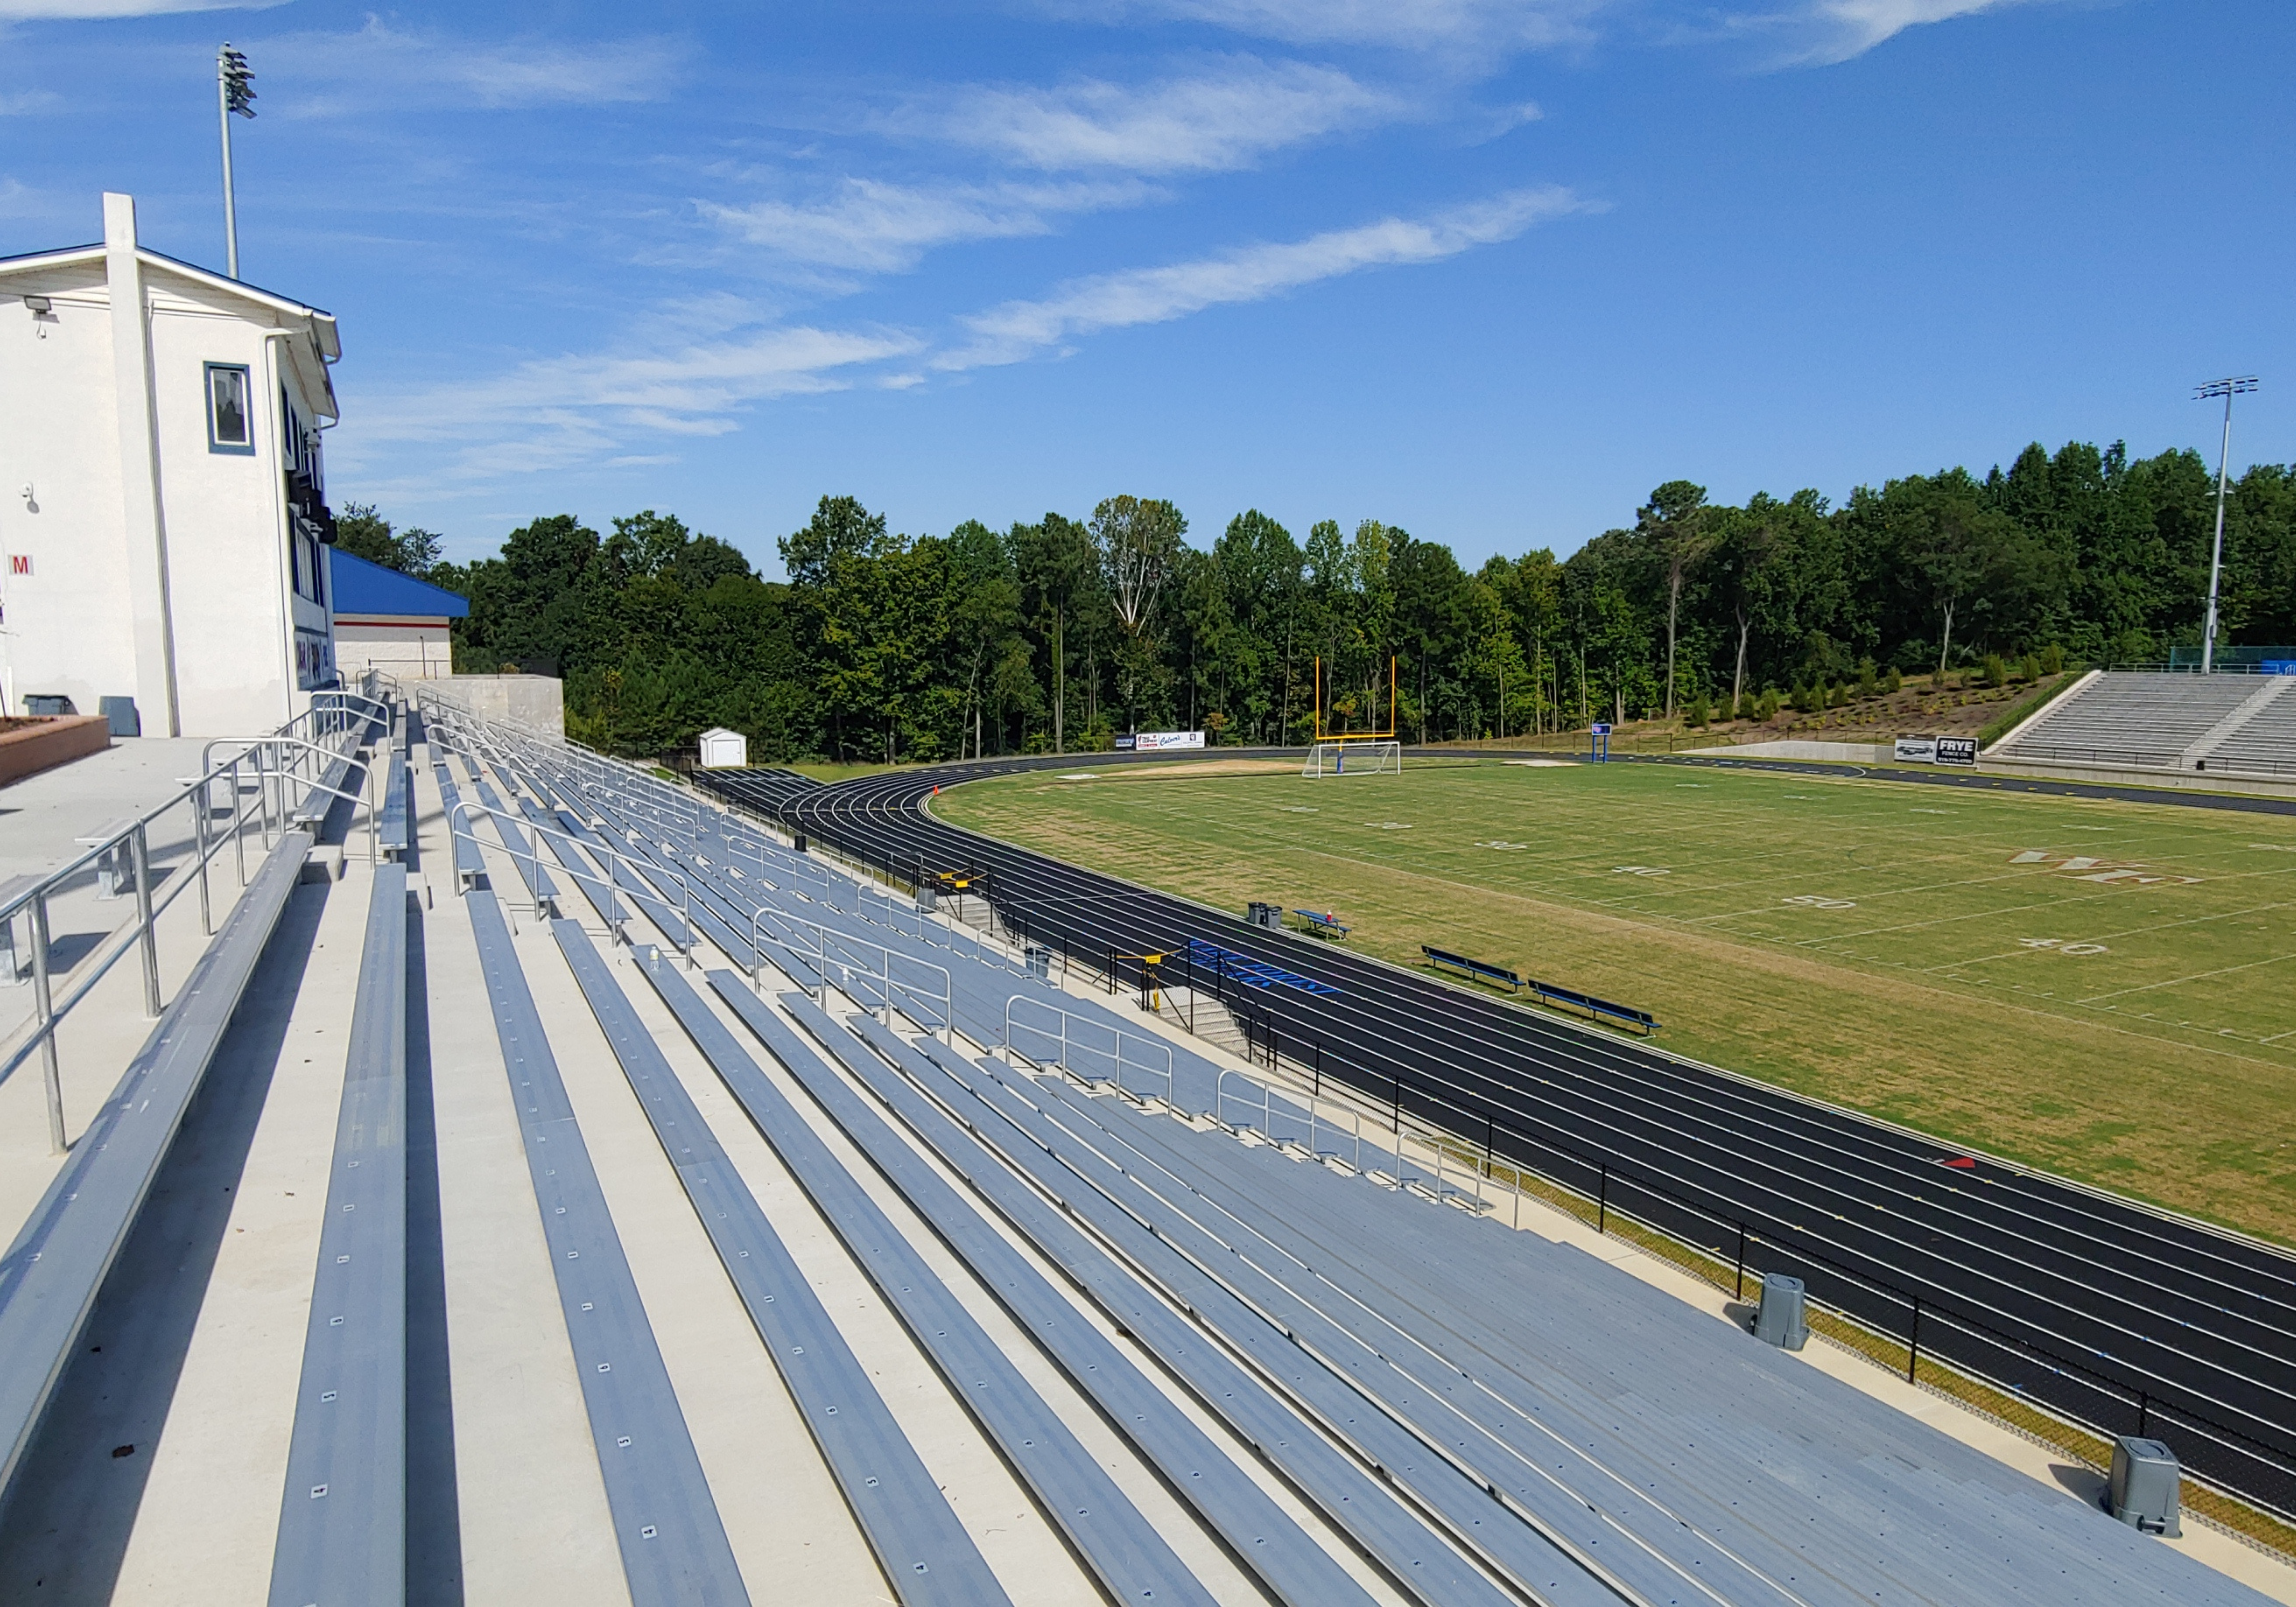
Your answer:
<point x="2103" y="989"/>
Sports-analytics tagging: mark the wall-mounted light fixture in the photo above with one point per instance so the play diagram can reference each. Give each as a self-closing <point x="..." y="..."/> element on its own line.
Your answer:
<point x="31" y="503"/>
<point x="44" y="313"/>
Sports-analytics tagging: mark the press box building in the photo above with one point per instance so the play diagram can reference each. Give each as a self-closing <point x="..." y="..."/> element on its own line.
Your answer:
<point x="163" y="514"/>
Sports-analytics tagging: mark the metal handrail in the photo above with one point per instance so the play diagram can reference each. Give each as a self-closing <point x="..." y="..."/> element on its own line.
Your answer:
<point x="819" y="961"/>
<point x="1220" y="1096"/>
<point x="466" y="808"/>
<point x="140" y="933"/>
<point x="367" y="779"/>
<point x="1115" y="1056"/>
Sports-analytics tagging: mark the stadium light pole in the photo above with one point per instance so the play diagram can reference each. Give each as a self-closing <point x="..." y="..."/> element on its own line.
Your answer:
<point x="234" y="96"/>
<point x="2227" y="390"/>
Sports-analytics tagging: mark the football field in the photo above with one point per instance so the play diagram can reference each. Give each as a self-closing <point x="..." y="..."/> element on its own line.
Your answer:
<point x="2105" y="989"/>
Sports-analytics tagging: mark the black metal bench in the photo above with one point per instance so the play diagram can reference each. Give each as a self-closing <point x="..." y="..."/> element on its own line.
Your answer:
<point x="1545" y="993"/>
<point x="1499" y="976"/>
<point x="1570" y="998"/>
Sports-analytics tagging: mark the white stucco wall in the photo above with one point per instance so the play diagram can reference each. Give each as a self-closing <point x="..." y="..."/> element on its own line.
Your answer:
<point x="408" y="651"/>
<point x="67" y="627"/>
<point x="87" y="621"/>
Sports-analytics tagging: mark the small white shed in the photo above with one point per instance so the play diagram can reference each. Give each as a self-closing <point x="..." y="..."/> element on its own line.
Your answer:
<point x="723" y="749"/>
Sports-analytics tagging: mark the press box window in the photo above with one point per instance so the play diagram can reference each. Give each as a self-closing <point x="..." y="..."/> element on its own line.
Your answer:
<point x="231" y="428"/>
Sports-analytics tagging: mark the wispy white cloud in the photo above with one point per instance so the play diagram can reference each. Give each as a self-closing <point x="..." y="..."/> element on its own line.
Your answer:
<point x="1226" y="115"/>
<point x="559" y="413"/>
<point x="1420" y="25"/>
<point x="1473" y="34"/>
<point x="96" y="11"/>
<point x="1828" y="31"/>
<point x="1019" y="328"/>
<point x="28" y="103"/>
<point x="883" y="227"/>
<point x="342" y="72"/>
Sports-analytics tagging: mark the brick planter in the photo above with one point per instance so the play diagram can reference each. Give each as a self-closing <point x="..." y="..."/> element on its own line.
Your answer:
<point x="32" y="745"/>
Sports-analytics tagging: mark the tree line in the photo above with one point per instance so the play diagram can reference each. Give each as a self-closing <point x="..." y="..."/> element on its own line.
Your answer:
<point x="1061" y="634"/>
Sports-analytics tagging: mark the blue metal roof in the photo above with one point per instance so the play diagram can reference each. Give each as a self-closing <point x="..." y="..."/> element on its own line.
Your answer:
<point x="362" y="587"/>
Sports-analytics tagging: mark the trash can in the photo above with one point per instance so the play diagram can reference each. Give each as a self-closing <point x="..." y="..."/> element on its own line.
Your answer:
<point x="927" y="897"/>
<point x="1781" y="1321"/>
<point x="44" y="705"/>
<point x="121" y="713"/>
<point x="1270" y="915"/>
<point x="2146" y="1481"/>
<point x="1040" y="962"/>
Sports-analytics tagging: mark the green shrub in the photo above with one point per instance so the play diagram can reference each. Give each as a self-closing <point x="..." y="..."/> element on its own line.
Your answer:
<point x="1894" y="682"/>
<point x="2053" y="660"/>
<point x="2031" y="668"/>
<point x="1868" y="682"/>
<point x="1996" y="672"/>
<point x="1694" y="712"/>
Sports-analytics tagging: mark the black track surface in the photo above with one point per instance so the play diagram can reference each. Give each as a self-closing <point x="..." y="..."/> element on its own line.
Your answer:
<point x="2118" y="1316"/>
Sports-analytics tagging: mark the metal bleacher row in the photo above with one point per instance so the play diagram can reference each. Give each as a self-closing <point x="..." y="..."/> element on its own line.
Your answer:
<point x="792" y="1243"/>
<point x="2235" y="724"/>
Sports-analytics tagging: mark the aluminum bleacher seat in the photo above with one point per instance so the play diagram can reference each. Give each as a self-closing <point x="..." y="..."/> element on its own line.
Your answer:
<point x="342" y="1521"/>
<point x="908" y="1522"/>
<point x="2133" y="720"/>
<point x="672" y="1541"/>
<point x="2265" y="744"/>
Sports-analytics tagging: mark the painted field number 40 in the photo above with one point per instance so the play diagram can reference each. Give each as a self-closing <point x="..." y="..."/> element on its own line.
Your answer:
<point x="2064" y="947"/>
<point x="1812" y="901"/>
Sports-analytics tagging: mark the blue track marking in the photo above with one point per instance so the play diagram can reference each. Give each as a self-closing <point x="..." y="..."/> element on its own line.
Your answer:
<point x="1251" y="973"/>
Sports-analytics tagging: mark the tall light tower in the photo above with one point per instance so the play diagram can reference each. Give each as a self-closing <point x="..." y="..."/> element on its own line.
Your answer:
<point x="235" y="95"/>
<point x="2226" y="389"/>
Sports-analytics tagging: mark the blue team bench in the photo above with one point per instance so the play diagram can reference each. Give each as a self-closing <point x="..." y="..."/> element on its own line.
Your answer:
<point x="1320" y="925"/>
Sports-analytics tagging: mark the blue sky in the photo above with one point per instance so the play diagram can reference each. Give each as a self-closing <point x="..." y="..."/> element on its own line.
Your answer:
<point x="1487" y="269"/>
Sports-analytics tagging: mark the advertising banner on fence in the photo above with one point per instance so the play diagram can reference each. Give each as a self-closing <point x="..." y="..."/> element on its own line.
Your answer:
<point x="1937" y="750"/>
<point x="1158" y="741"/>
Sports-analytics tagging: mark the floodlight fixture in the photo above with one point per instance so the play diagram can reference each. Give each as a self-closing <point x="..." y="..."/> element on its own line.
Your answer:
<point x="2238" y="385"/>
<point x="238" y="82"/>
<point x="234" y="97"/>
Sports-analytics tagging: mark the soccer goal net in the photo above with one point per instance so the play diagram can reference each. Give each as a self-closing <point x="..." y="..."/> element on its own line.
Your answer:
<point x="1355" y="758"/>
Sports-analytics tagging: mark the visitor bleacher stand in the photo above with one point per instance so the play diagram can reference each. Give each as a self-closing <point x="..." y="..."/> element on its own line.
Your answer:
<point x="583" y="1195"/>
<point x="2236" y="724"/>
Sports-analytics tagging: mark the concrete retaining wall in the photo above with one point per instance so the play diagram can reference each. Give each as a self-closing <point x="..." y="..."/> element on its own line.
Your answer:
<point x="536" y="701"/>
<point x="1839" y="753"/>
